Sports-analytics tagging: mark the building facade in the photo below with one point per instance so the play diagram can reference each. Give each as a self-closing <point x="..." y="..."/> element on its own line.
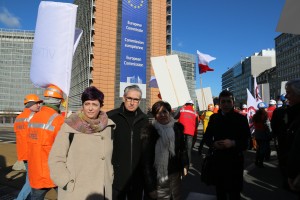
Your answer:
<point x="268" y="78"/>
<point x="97" y="58"/>
<point x="241" y="74"/>
<point x="15" y="59"/>
<point x="287" y="48"/>
<point x="188" y="65"/>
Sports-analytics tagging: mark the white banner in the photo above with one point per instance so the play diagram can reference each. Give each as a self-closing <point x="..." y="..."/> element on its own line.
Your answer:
<point x="204" y="97"/>
<point x="251" y="106"/>
<point x="53" y="45"/>
<point x="170" y="80"/>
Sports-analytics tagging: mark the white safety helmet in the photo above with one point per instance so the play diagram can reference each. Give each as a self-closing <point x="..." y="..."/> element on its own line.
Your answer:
<point x="244" y="106"/>
<point x="272" y="102"/>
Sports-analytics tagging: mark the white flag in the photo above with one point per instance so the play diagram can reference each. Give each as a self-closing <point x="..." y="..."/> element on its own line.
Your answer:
<point x="251" y="106"/>
<point x="53" y="46"/>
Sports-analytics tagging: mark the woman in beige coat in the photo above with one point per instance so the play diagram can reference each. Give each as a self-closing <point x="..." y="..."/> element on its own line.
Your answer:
<point x="80" y="159"/>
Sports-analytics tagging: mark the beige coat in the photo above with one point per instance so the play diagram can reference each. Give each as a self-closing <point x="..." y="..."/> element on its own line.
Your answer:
<point x="84" y="170"/>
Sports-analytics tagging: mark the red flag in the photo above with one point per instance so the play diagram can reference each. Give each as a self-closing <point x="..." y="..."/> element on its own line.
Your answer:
<point x="203" y="60"/>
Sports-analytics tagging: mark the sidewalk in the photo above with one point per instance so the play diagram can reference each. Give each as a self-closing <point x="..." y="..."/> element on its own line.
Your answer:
<point x="11" y="182"/>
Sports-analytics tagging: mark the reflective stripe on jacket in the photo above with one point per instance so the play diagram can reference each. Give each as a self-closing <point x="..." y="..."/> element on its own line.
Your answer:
<point x="188" y="119"/>
<point x="21" y="130"/>
<point x="43" y="128"/>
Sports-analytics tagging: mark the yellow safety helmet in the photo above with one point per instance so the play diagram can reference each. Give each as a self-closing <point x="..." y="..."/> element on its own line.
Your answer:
<point x="53" y="91"/>
<point x="32" y="98"/>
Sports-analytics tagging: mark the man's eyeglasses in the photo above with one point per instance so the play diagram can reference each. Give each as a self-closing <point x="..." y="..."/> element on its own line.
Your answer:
<point x="129" y="99"/>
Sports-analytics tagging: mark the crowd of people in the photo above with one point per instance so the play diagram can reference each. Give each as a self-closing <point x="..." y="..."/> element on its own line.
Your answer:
<point x="119" y="155"/>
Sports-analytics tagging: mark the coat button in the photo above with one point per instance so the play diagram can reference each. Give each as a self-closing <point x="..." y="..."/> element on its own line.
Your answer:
<point x="72" y="181"/>
<point x="102" y="138"/>
<point x="103" y="158"/>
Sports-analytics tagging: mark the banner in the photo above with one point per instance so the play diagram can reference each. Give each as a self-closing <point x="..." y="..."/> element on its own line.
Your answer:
<point x="134" y="44"/>
<point x="170" y="80"/>
<point x="257" y="91"/>
<point x="204" y="97"/>
<point x="251" y="106"/>
<point x="53" y="46"/>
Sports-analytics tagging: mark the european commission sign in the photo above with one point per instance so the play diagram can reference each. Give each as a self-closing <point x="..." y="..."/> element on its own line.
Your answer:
<point x="134" y="44"/>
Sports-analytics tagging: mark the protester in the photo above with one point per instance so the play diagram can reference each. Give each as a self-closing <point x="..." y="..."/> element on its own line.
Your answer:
<point x="271" y="108"/>
<point x="82" y="166"/>
<point x="32" y="105"/>
<point x="293" y="165"/>
<point x="292" y="88"/>
<point x="216" y="108"/>
<point x="244" y="110"/>
<point x="227" y="136"/>
<point x="279" y="104"/>
<point x="279" y="131"/>
<point x="164" y="154"/>
<point x="188" y="117"/>
<point x="43" y="128"/>
<point x="205" y="118"/>
<point x="126" y="158"/>
<point x="262" y="133"/>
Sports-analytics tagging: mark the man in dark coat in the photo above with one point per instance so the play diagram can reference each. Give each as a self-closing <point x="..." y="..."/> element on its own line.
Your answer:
<point x="127" y="147"/>
<point x="227" y="135"/>
<point x="292" y="88"/>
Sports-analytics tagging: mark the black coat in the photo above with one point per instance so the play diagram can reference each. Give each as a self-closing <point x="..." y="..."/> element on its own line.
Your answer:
<point x="293" y="141"/>
<point x="127" y="148"/>
<point x="176" y="163"/>
<point x="228" y="163"/>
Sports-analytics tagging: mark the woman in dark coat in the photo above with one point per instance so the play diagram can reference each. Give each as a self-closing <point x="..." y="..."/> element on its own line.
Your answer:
<point x="165" y="157"/>
<point x="227" y="134"/>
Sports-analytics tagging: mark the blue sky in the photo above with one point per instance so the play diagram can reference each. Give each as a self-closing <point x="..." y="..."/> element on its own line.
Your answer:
<point x="227" y="30"/>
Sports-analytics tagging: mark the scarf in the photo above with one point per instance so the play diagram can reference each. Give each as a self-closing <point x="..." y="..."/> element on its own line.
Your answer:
<point x="165" y="146"/>
<point x="83" y="124"/>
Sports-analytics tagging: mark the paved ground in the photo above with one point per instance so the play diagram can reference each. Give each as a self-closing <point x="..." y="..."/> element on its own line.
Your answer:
<point x="259" y="184"/>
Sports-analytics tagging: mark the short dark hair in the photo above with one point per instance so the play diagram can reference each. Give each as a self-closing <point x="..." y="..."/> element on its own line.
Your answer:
<point x="226" y="93"/>
<point x="156" y="107"/>
<point x="92" y="93"/>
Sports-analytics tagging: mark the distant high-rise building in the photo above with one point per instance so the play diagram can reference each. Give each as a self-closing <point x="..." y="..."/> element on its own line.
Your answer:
<point x="188" y="65"/>
<point x="15" y="59"/>
<point x="240" y="76"/>
<point x="117" y="35"/>
<point x="287" y="58"/>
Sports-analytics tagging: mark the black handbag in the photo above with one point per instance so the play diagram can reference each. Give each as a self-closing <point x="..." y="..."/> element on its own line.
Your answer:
<point x="207" y="168"/>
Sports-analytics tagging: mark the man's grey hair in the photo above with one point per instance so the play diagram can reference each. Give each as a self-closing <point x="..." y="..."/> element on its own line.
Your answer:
<point x="294" y="85"/>
<point x="132" y="87"/>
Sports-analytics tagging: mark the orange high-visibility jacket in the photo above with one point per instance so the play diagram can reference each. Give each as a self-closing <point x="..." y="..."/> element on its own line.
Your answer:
<point x="42" y="130"/>
<point x="188" y="119"/>
<point x="21" y="130"/>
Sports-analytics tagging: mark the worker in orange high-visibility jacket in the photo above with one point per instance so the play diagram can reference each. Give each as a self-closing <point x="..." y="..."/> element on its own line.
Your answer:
<point x="43" y="128"/>
<point x="32" y="105"/>
<point x="189" y="118"/>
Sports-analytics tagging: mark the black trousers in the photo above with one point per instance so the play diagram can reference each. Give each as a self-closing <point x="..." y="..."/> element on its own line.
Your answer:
<point x="128" y="193"/>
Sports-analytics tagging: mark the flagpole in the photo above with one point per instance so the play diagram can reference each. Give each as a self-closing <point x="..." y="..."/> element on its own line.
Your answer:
<point x="203" y="97"/>
<point x="67" y="107"/>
